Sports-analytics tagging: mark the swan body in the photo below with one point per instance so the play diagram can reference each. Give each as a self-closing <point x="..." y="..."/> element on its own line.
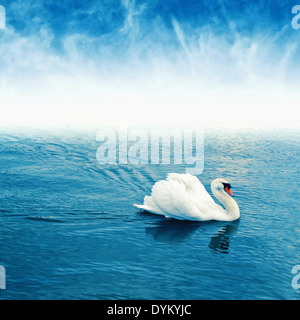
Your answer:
<point x="183" y="197"/>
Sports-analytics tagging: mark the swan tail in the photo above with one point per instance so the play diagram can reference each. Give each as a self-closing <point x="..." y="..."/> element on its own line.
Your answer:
<point x="140" y="206"/>
<point x="149" y="206"/>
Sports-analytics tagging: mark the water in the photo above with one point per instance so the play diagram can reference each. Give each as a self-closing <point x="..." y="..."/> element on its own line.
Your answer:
<point x="69" y="230"/>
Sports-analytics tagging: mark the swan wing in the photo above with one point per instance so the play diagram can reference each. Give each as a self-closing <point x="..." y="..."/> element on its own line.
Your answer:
<point x="180" y="196"/>
<point x="193" y="186"/>
<point x="172" y="199"/>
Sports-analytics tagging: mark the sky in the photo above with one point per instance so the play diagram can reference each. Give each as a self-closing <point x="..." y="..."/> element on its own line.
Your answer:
<point x="172" y="62"/>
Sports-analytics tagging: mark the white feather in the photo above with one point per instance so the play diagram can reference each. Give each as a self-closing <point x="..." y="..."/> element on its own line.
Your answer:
<point x="183" y="196"/>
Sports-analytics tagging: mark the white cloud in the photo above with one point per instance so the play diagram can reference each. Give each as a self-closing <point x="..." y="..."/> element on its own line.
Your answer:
<point x="206" y="80"/>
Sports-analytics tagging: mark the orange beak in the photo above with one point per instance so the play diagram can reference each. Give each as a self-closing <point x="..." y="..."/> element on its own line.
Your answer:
<point x="228" y="190"/>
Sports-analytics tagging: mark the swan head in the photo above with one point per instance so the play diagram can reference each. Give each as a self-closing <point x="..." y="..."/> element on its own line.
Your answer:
<point x="221" y="185"/>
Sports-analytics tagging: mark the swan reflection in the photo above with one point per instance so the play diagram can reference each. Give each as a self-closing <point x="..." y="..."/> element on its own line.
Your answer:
<point x="219" y="242"/>
<point x="179" y="231"/>
<point x="172" y="230"/>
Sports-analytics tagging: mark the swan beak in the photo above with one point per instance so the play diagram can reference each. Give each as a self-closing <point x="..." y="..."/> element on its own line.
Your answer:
<point x="228" y="190"/>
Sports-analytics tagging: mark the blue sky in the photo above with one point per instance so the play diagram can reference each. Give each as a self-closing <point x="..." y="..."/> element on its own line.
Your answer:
<point x="117" y="18"/>
<point x="208" y="62"/>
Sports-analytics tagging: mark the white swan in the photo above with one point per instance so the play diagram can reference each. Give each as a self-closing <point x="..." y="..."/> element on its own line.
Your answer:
<point x="183" y="196"/>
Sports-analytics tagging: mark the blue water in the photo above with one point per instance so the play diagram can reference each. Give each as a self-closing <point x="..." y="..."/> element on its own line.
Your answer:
<point x="69" y="230"/>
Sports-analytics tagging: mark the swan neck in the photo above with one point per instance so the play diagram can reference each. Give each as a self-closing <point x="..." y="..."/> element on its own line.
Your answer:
<point x="228" y="202"/>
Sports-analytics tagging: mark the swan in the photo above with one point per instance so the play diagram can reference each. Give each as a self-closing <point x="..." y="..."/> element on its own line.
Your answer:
<point x="183" y="197"/>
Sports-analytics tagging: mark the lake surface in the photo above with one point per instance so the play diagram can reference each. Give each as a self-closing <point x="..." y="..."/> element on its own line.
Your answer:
<point x="69" y="229"/>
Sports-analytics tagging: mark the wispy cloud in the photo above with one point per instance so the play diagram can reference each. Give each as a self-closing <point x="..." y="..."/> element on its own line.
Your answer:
<point x="110" y="61"/>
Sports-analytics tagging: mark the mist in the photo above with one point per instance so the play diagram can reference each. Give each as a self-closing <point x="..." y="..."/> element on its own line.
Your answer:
<point x="230" y="63"/>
